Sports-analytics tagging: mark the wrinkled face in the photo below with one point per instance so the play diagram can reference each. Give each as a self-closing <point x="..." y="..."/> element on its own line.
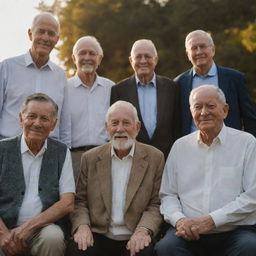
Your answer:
<point x="44" y="36"/>
<point x="122" y="128"/>
<point x="208" y="111"/>
<point x="143" y="60"/>
<point x="37" y="121"/>
<point x="199" y="51"/>
<point x="86" y="57"/>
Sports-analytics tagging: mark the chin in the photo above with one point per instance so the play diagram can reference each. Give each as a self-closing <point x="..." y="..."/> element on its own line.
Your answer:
<point x="119" y="145"/>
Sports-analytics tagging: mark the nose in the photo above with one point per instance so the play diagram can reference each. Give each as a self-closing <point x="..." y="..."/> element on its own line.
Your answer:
<point x="37" y="122"/>
<point x="45" y="36"/>
<point x="120" y="128"/>
<point x="204" y="110"/>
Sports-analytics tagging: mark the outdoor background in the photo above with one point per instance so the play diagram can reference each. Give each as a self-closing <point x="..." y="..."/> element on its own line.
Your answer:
<point x="117" y="24"/>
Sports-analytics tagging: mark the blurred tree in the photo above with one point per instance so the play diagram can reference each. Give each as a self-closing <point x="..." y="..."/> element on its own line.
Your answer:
<point x="117" y="24"/>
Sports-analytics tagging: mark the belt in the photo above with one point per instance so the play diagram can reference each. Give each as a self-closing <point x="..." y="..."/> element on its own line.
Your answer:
<point x="82" y="148"/>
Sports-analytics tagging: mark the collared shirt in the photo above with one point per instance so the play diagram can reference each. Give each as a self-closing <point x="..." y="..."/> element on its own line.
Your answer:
<point x="32" y="205"/>
<point x="210" y="78"/>
<point x="121" y="169"/>
<point x="217" y="180"/>
<point x="20" y="77"/>
<point x="88" y="106"/>
<point x="147" y="94"/>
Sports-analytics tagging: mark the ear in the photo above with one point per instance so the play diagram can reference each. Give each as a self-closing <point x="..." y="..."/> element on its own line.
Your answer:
<point x="21" y="120"/>
<point x="30" y="34"/>
<point x="130" y="60"/>
<point x="156" y="60"/>
<point x="74" y="58"/>
<point x="54" y="124"/>
<point x="225" y="110"/>
<point x="138" y="126"/>
<point x="99" y="59"/>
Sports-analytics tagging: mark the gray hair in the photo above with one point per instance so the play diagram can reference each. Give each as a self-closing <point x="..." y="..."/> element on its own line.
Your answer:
<point x="91" y="39"/>
<point x="49" y="16"/>
<point x="122" y="103"/>
<point x="198" y="32"/>
<point x="219" y="92"/>
<point x="40" y="97"/>
<point x="143" y="41"/>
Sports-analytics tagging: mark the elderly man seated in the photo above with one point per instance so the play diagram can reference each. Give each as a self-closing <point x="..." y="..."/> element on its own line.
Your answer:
<point x="36" y="184"/>
<point x="208" y="190"/>
<point x="117" y="204"/>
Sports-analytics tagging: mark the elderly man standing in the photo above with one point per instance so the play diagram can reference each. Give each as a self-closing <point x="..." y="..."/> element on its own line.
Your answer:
<point x="156" y="98"/>
<point x="208" y="190"/>
<point x="36" y="183"/>
<point x="33" y="72"/>
<point x="200" y="50"/>
<point x="117" y="204"/>
<point x="89" y="96"/>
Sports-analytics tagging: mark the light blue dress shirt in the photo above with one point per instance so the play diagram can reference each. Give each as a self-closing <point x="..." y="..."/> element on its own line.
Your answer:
<point x="20" y="77"/>
<point x="148" y="104"/>
<point x="210" y="78"/>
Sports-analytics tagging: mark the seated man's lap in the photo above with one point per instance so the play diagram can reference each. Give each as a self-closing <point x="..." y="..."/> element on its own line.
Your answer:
<point x="104" y="246"/>
<point x="241" y="241"/>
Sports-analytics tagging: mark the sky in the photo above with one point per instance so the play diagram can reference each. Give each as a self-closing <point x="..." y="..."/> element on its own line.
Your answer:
<point x="15" y="18"/>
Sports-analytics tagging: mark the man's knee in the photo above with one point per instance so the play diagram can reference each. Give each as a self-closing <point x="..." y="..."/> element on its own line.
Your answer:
<point x="170" y="245"/>
<point x="48" y="241"/>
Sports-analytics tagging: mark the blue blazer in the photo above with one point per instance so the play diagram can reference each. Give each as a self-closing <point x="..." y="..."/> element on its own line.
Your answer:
<point x="232" y="82"/>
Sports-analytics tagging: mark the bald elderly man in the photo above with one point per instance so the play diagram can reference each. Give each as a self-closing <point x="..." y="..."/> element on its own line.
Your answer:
<point x="34" y="72"/>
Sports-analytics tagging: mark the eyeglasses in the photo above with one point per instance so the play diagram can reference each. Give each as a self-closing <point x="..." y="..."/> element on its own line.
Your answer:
<point x="201" y="47"/>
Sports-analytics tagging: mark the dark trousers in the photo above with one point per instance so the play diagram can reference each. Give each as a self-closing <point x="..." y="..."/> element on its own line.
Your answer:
<point x="104" y="246"/>
<point x="239" y="242"/>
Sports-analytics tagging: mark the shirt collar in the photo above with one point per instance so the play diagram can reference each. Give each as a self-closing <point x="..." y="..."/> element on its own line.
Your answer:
<point x="24" y="147"/>
<point x="131" y="153"/>
<point x="211" y="72"/>
<point x="220" y="138"/>
<point x="153" y="80"/>
<point x="29" y="62"/>
<point x="78" y="82"/>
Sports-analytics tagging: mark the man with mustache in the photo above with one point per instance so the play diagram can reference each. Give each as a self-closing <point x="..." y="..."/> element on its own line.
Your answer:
<point x="155" y="97"/>
<point x="117" y="204"/>
<point x="208" y="190"/>
<point x="34" y="72"/>
<point x="200" y="50"/>
<point x="36" y="184"/>
<point x="89" y="97"/>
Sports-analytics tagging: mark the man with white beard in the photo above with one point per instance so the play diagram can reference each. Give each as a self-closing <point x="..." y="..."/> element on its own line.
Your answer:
<point x="117" y="204"/>
<point x="89" y="96"/>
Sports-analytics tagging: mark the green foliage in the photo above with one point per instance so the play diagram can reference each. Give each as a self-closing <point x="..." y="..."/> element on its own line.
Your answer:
<point x="118" y="23"/>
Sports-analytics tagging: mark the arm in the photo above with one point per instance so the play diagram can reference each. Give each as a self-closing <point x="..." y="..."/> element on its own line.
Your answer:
<point x="65" y="117"/>
<point x="114" y="95"/>
<point x="151" y="218"/>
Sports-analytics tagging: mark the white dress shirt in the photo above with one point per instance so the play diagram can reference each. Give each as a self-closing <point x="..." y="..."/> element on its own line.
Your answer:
<point x="121" y="169"/>
<point x="20" y="77"/>
<point x="32" y="205"/>
<point x="217" y="180"/>
<point x="88" y="107"/>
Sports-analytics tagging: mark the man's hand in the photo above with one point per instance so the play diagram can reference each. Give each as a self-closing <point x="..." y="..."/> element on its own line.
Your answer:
<point x="83" y="237"/>
<point x="8" y="245"/>
<point x="138" y="241"/>
<point x="191" y="228"/>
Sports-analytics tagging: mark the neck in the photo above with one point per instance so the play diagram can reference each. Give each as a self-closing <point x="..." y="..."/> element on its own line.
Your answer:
<point x="145" y="79"/>
<point x="34" y="146"/>
<point x="39" y="60"/>
<point x="208" y="136"/>
<point x="87" y="78"/>
<point x="121" y="153"/>
<point x="203" y="70"/>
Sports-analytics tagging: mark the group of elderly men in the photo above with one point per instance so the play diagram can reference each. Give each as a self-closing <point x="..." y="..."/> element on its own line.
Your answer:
<point x="120" y="137"/>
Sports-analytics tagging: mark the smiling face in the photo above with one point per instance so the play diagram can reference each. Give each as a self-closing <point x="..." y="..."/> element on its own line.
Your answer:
<point x="143" y="60"/>
<point x="122" y="128"/>
<point x="200" y="52"/>
<point x="44" y="36"/>
<point x="37" y="121"/>
<point x="86" y="56"/>
<point x="208" y="111"/>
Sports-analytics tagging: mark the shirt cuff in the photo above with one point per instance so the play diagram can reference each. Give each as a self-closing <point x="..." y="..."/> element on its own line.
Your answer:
<point x="218" y="217"/>
<point x="174" y="218"/>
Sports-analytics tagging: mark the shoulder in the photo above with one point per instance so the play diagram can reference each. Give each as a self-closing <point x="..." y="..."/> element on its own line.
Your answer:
<point x="124" y="82"/>
<point x="229" y="72"/>
<point x="56" y="144"/>
<point x="105" y="81"/>
<point x="182" y="76"/>
<point x="149" y="150"/>
<point x="9" y="142"/>
<point x="98" y="152"/>
<point x="165" y="80"/>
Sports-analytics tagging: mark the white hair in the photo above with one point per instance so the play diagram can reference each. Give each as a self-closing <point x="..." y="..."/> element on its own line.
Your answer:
<point x="143" y="41"/>
<point x="91" y="39"/>
<point x="198" y="32"/>
<point x="219" y="92"/>
<point x="122" y="103"/>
